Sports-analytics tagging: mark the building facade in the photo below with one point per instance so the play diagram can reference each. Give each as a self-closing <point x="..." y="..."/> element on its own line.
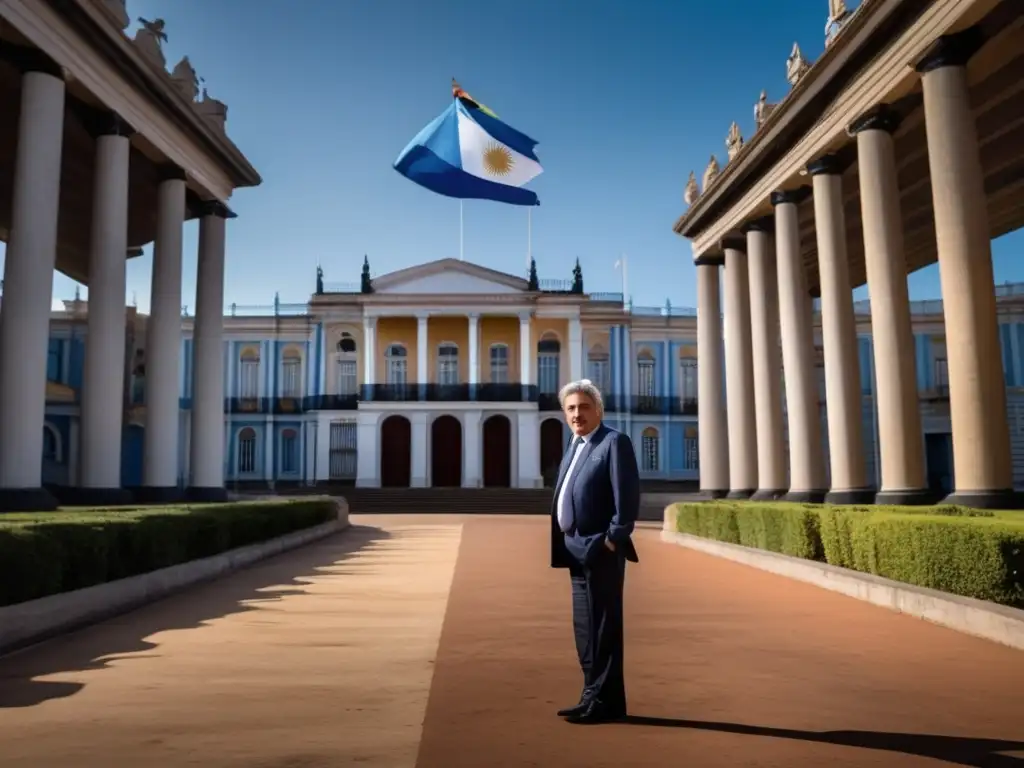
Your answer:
<point x="446" y="374"/>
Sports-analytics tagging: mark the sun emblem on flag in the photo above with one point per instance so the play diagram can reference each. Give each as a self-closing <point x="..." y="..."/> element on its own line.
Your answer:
<point x="497" y="159"/>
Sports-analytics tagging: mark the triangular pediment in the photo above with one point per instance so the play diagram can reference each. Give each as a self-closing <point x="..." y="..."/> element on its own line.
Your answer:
<point x="446" y="277"/>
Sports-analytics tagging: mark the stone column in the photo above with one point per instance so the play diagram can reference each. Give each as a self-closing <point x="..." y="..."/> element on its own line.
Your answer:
<point x="839" y="339"/>
<point x="525" y="357"/>
<point x="207" y="445"/>
<point x="739" y="374"/>
<point x="163" y="348"/>
<point x="419" y="432"/>
<point x="472" y="450"/>
<point x="575" y="350"/>
<point x="474" y="353"/>
<point x="422" y="354"/>
<point x="103" y="376"/>
<point x="767" y="360"/>
<point x="977" y="391"/>
<point x="369" y="356"/>
<point x="712" y="428"/>
<point x="806" y="465"/>
<point x="28" y="288"/>
<point x="901" y="448"/>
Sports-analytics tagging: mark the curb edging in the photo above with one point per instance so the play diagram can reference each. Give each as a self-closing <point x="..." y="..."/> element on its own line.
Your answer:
<point x="998" y="623"/>
<point x="31" y="622"/>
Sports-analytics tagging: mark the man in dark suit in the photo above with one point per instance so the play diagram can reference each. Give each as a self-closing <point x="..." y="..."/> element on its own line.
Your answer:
<point x="597" y="498"/>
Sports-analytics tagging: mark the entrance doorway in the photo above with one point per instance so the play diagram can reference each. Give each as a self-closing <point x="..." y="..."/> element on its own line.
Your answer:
<point x="552" y="447"/>
<point x="498" y="452"/>
<point x="938" y="449"/>
<point x="395" y="452"/>
<point x="446" y="452"/>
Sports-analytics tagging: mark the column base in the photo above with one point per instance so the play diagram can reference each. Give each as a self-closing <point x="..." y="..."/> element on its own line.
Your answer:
<point x="714" y="493"/>
<point x="97" y="497"/>
<point x="26" y="500"/>
<point x="851" y="496"/>
<point x="740" y="493"/>
<point x="211" y="495"/>
<point x="805" y="497"/>
<point x="152" y="495"/>
<point x="767" y="494"/>
<point x="1004" y="499"/>
<point x="909" y="498"/>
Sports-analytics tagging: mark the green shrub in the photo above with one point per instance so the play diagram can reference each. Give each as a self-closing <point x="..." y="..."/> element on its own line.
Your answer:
<point x="974" y="553"/>
<point x="51" y="552"/>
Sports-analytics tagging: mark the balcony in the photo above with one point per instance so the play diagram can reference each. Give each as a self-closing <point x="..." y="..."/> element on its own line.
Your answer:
<point x="651" y="405"/>
<point x="330" y="402"/>
<point x="449" y="393"/>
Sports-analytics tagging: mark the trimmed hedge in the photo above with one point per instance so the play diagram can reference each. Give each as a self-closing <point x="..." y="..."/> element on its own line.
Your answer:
<point x="45" y="553"/>
<point x="967" y="552"/>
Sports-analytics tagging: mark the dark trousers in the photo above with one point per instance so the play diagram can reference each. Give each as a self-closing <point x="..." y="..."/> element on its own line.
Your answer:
<point x="597" y="623"/>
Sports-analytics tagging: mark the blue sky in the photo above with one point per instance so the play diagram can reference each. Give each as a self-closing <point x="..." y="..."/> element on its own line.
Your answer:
<point x="624" y="98"/>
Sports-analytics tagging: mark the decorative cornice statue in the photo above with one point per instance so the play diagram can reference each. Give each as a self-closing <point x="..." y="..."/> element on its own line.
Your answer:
<point x="734" y="141"/>
<point x="117" y="12"/>
<point x="762" y="109"/>
<point x="838" y="15"/>
<point x="796" y="65"/>
<point x="710" y="174"/>
<point x="366" y="284"/>
<point x="215" y="112"/>
<point x="150" y="38"/>
<point x="533" y="284"/>
<point x="185" y="79"/>
<point x="692" y="191"/>
<point x="319" y="280"/>
<point x="577" y="277"/>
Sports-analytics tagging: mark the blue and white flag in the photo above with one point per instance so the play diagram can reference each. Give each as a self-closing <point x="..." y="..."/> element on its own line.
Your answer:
<point x="467" y="153"/>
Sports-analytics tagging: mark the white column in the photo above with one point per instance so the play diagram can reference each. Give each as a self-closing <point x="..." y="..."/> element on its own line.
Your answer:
<point x="163" y="347"/>
<point x="369" y="352"/>
<point x="525" y="352"/>
<point x="367" y="449"/>
<point x="270" y="452"/>
<point x="420" y="476"/>
<point x="471" y="449"/>
<point x="528" y="446"/>
<point x="712" y="429"/>
<point x="982" y="458"/>
<point x="422" y="349"/>
<point x="474" y="349"/>
<point x="739" y="375"/>
<point x="206" y="480"/>
<point x="849" y="477"/>
<point x="575" y="350"/>
<point x="103" y="375"/>
<point x="28" y="287"/>
<point x="806" y="465"/>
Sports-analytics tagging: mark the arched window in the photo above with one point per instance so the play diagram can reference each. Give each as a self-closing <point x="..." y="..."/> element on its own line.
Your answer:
<point x="246" y="451"/>
<point x="691" y="449"/>
<point x="447" y="364"/>
<point x="397" y="371"/>
<point x="549" y="350"/>
<point x="499" y="363"/>
<point x="597" y="367"/>
<point x="51" y="444"/>
<point x="649" y="450"/>
<point x="348" y="380"/>
<point x="249" y="373"/>
<point x="688" y="377"/>
<point x="289" y="451"/>
<point x="645" y="374"/>
<point x="291" y="373"/>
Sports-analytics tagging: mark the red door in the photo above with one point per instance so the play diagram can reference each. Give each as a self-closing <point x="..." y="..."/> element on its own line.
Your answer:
<point x="395" y="452"/>
<point x="497" y="452"/>
<point x="446" y="452"/>
<point x="552" y="448"/>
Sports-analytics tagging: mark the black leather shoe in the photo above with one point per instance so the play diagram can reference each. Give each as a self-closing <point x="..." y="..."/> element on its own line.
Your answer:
<point x="596" y="712"/>
<point x="573" y="710"/>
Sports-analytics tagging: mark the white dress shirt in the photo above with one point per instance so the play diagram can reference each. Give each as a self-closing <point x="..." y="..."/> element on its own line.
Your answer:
<point x="564" y="514"/>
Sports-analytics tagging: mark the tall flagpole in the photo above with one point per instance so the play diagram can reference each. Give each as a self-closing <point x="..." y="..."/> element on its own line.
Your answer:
<point x="462" y="253"/>
<point x="625" y="281"/>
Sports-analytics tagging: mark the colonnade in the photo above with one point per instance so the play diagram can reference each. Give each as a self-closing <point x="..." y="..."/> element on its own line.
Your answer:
<point x="766" y="295"/>
<point x="25" y="317"/>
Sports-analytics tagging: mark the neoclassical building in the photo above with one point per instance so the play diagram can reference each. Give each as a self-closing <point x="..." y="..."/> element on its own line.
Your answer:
<point x="102" y="151"/>
<point x="446" y="374"/>
<point x="902" y="145"/>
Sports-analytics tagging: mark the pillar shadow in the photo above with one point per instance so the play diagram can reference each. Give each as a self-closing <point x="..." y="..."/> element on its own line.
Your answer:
<point x="124" y="636"/>
<point x="958" y="750"/>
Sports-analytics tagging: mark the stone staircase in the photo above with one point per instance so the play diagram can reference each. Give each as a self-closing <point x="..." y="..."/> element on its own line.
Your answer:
<point x="464" y="501"/>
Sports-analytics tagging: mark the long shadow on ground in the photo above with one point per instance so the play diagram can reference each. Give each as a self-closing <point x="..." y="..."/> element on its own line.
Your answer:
<point x="95" y="647"/>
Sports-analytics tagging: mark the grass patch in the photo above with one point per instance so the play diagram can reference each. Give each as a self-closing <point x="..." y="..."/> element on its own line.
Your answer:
<point x="46" y="553"/>
<point x="973" y="553"/>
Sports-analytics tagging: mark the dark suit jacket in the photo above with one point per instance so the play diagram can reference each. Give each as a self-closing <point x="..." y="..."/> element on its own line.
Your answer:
<point x="604" y="497"/>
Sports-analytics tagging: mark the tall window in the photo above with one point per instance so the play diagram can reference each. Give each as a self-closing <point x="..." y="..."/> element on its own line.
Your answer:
<point x="649" y="450"/>
<point x="691" y="449"/>
<point x="645" y="374"/>
<point x="499" y="364"/>
<point x="247" y="451"/>
<point x="941" y="375"/>
<point x="397" y="365"/>
<point x="688" y="379"/>
<point x="597" y="367"/>
<point x="291" y="373"/>
<point x="819" y="370"/>
<point x="54" y="360"/>
<point x="249" y="374"/>
<point x="447" y="364"/>
<point x="51" y="446"/>
<point x="289" y="452"/>
<point x="548" y="352"/>
<point x="348" y="383"/>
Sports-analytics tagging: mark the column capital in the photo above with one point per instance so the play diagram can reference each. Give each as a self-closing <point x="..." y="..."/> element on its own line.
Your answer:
<point x="733" y="242"/>
<point x="422" y="317"/>
<point x="764" y="224"/>
<point x="952" y="50"/>
<point x="473" y="317"/>
<point x="214" y="208"/>
<point x="525" y="317"/>
<point x="795" y="196"/>
<point x="171" y="172"/>
<point x="879" y="118"/>
<point x="370" y="322"/>
<point x="28" y="59"/>
<point x="832" y="164"/>
<point x="709" y="260"/>
<point x="101" y="122"/>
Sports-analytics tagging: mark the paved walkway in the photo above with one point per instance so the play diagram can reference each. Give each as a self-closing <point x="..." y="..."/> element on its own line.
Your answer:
<point x="445" y="642"/>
